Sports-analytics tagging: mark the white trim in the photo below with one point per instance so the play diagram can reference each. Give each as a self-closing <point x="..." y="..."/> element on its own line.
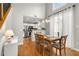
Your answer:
<point x="75" y="49"/>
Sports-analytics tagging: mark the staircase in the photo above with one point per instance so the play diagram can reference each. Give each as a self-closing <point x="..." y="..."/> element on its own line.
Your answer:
<point x="4" y="10"/>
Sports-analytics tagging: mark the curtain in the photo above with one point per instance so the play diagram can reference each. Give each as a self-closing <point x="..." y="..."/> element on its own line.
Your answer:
<point x="62" y="22"/>
<point x="57" y="24"/>
<point x="68" y="25"/>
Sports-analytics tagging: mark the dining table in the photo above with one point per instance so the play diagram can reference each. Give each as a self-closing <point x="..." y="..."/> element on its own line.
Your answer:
<point x="51" y="39"/>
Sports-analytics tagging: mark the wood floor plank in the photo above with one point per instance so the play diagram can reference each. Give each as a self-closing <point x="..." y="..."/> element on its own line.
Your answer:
<point x="28" y="49"/>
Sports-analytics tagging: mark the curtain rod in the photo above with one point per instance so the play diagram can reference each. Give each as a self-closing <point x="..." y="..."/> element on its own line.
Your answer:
<point x="62" y="10"/>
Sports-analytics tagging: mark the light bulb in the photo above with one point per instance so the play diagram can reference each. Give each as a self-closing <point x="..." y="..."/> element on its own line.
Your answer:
<point x="43" y="21"/>
<point x="46" y="20"/>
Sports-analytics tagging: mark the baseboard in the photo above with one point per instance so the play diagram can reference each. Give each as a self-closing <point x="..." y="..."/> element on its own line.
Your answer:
<point x="75" y="49"/>
<point x="21" y="41"/>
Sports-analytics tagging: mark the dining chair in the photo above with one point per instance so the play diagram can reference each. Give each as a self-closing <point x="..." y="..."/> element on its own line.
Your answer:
<point x="60" y="44"/>
<point x="37" y="42"/>
<point x="44" y="45"/>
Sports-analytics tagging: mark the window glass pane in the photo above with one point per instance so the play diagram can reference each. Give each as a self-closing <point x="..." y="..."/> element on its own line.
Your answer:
<point x="58" y="5"/>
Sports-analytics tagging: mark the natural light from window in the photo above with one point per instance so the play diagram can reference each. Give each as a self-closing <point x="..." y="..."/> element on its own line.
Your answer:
<point x="58" y="5"/>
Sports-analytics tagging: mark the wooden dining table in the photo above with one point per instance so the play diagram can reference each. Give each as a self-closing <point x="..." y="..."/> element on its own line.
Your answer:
<point x="51" y="39"/>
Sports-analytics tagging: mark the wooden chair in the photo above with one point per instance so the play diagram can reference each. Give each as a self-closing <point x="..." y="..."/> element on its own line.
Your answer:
<point x="44" y="44"/>
<point x="37" y="41"/>
<point x="60" y="44"/>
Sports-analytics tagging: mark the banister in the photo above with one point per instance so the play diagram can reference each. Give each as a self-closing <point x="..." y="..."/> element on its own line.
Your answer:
<point x="2" y="20"/>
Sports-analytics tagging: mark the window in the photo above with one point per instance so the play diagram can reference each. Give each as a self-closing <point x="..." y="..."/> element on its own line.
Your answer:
<point x="57" y="20"/>
<point x="58" y="5"/>
<point x="62" y="22"/>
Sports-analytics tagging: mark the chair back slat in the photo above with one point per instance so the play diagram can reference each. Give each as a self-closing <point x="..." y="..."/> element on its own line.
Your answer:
<point x="63" y="40"/>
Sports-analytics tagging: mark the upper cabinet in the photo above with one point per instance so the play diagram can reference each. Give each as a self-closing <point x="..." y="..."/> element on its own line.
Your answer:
<point x="4" y="10"/>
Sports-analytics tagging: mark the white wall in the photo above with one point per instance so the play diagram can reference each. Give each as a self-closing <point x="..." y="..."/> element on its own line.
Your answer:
<point x="28" y="9"/>
<point x="7" y="24"/>
<point x="47" y="13"/>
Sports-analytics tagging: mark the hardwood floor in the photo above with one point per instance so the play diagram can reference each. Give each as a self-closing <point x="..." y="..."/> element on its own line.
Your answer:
<point x="28" y="49"/>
